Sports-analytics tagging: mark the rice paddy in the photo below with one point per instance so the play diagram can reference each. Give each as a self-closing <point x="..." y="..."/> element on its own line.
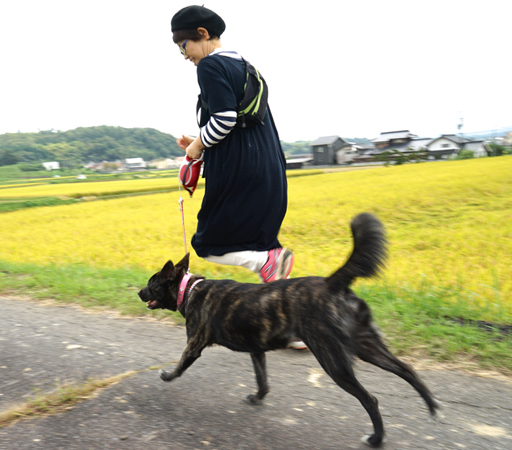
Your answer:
<point x="449" y="225"/>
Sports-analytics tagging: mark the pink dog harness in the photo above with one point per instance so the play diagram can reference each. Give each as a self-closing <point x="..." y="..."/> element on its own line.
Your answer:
<point x="183" y="286"/>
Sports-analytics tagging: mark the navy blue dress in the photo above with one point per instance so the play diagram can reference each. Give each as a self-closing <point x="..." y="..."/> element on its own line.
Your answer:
<point x="245" y="196"/>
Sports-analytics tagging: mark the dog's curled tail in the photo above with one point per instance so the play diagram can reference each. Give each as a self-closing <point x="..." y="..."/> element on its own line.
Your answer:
<point x="368" y="256"/>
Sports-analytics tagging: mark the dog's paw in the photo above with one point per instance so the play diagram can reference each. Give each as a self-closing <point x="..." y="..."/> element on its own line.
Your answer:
<point x="253" y="400"/>
<point x="166" y="376"/>
<point x="437" y="415"/>
<point x="372" y="441"/>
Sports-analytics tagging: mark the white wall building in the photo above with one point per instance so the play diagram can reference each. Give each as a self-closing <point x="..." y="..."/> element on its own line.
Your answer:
<point x="450" y="145"/>
<point x="53" y="165"/>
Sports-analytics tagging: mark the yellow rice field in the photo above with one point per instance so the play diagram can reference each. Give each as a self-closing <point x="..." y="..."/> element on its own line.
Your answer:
<point x="88" y="188"/>
<point x="449" y="224"/>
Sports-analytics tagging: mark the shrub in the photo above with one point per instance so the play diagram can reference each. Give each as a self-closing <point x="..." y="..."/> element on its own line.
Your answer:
<point x="27" y="167"/>
<point x="465" y="154"/>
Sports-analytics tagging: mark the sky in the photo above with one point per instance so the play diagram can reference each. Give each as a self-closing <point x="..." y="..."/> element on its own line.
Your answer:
<point x="347" y="68"/>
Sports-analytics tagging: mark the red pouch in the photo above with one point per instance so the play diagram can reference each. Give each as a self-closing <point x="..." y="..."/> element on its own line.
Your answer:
<point x="190" y="170"/>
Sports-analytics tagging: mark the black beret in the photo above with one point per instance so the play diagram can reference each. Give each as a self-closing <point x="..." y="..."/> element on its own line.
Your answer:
<point x="193" y="17"/>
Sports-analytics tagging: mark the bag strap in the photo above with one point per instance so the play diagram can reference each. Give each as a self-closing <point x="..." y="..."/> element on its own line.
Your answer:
<point x="255" y="100"/>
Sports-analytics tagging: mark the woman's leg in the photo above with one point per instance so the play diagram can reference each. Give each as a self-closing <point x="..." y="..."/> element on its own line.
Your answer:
<point x="273" y="265"/>
<point x="249" y="259"/>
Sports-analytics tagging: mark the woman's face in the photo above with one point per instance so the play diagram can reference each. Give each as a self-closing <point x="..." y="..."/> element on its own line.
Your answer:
<point x="193" y="50"/>
<point x="196" y="50"/>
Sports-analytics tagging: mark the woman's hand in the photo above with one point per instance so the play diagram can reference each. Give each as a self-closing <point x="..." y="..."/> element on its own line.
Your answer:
<point x="184" y="141"/>
<point x="193" y="147"/>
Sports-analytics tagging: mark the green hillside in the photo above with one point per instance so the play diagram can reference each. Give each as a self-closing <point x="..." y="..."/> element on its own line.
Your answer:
<point x="79" y="146"/>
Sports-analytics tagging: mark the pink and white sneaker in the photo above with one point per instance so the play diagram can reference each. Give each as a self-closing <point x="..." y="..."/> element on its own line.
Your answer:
<point x="297" y="344"/>
<point x="278" y="266"/>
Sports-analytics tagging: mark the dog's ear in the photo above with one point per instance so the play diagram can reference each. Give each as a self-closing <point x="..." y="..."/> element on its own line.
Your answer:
<point x="183" y="264"/>
<point x="168" y="271"/>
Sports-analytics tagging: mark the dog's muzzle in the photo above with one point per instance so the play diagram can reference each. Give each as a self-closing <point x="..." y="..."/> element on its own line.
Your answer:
<point x="145" y="297"/>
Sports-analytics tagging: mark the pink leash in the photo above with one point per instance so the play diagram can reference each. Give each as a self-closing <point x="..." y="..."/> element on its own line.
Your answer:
<point x="188" y="275"/>
<point x="180" y="201"/>
<point x="184" y="281"/>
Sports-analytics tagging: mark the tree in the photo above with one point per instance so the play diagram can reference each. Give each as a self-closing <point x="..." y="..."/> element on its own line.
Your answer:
<point x="497" y="150"/>
<point x="465" y="154"/>
<point x="400" y="158"/>
<point x="8" y="158"/>
<point x="83" y="145"/>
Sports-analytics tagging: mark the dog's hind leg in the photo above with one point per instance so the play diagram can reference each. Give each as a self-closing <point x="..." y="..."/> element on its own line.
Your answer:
<point x="190" y="354"/>
<point x="371" y="349"/>
<point x="338" y="364"/>
<point x="260" y="367"/>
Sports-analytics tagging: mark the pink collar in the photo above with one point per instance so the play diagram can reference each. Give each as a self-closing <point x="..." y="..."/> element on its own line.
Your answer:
<point x="183" y="287"/>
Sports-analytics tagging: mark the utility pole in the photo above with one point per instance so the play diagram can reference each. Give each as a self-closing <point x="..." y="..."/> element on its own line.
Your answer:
<point x="460" y="124"/>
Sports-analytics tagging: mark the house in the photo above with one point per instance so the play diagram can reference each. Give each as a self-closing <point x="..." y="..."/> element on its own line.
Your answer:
<point x="298" y="163"/>
<point x="166" y="163"/>
<point x="418" y="145"/>
<point x="450" y="145"/>
<point x="134" y="164"/>
<point x="105" y="166"/>
<point x="393" y="140"/>
<point x="364" y="154"/>
<point x="325" y="149"/>
<point x="53" y="165"/>
<point x="347" y="153"/>
<point x="403" y="141"/>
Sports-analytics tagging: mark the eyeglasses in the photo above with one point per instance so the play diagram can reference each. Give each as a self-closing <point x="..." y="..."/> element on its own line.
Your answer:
<point x="183" y="50"/>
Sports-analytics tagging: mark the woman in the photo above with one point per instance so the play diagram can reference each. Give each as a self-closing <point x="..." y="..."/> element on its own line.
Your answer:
<point x="245" y="196"/>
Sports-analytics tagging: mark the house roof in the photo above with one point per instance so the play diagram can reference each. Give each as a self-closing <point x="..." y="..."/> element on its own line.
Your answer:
<point x="454" y="138"/>
<point x="325" y="140"/>
<point x="419" y="143"/>
<point x="134" y="160"/>
<point x="369" y="152"/>
<point x="388" y="135"/>
<point x="414" y="145"/>
<point x="365" y="146"/>
<point x="402" y="147"/>
<point x="298" y="160"/>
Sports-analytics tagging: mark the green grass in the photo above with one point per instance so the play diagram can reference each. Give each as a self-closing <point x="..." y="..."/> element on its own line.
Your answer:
<point x="423" y="324"/>
<point x="9" y="206"/>
<point x="112" y="289"/>
<point x="417" y="323"/>
<point x="14" y="173"/>
<point x="62" y="399"/>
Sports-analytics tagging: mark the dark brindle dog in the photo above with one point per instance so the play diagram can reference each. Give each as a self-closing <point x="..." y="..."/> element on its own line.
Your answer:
<point x="325" y="313"/>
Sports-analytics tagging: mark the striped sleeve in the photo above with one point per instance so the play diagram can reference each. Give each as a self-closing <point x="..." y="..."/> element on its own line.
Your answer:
<point x="218" y="127"/>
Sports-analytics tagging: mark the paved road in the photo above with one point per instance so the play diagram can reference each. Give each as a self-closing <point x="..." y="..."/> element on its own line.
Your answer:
<point x="42" y="346"/>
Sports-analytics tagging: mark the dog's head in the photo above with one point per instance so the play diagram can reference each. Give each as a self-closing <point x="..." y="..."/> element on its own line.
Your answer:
<point x="162" y="289"/>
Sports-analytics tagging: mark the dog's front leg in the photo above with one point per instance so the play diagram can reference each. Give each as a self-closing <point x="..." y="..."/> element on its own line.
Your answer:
<point x="260" y="367"/>
<point x="190" y="354"/>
